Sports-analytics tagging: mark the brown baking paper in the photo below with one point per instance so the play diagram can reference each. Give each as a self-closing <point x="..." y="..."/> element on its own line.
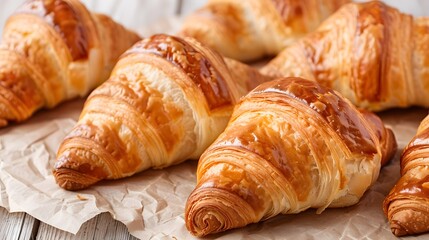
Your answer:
<point x="151" y="204"/>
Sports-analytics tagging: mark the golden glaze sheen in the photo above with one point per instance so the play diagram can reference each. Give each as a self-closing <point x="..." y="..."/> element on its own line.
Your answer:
<point x="407" y="205"/>
<point x="290" y="145"/>
<point x="360" y="52"/>
<point x="66" y="21"/>
<point x="169" y="98"/>
<point x="182" y="54"/>
<point x="52" y="51"/>
<point x="250" y="30"/>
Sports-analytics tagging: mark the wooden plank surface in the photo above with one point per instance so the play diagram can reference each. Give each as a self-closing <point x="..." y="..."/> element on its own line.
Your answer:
<point x="102" y="226"/>
<point x="17" y="226"/>
<point x="21" y="226"/>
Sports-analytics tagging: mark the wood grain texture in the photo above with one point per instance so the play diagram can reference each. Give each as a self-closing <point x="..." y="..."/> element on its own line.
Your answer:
<point x="102" y="226"/>
<point x="17" y="226"/>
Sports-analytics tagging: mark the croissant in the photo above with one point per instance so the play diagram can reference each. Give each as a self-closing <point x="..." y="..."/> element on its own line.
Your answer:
<point x="369" y="52"/>
<point x="250" y="30"/>
<point x="52" y="51"/>
<point x="290" y="145"/>
<point x="407" y="204"/>
<point x="166" y="101"/>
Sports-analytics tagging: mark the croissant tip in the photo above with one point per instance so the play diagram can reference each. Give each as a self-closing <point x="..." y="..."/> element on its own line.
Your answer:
<point x="210" y="226"/>
<point x="66" y="178"/>
<point x="72" y="186"/>
<point x="408" y="216"/>
<point x="397" y="229"/>
<point x="210" y="211"/>
<point x="203" y="230"/>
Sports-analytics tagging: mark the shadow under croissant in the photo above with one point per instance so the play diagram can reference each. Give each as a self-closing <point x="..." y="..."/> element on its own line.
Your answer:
<point x="297" y="226"/>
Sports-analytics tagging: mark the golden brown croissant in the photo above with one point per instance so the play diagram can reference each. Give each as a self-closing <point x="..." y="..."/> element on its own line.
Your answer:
<point x="55" y="50"/>
<point x="166" y="101"/>
<point x="249" y="30"/>
<point x="407" y="205"/>
<point x="369" y="52"/>
<point x="290" y="145"/>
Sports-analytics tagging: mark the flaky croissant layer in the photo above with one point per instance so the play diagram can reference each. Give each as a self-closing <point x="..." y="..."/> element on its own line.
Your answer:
<point x="371" y="53"/>
<point x="167" y="99"/>
<point x="52" y="51"/>
<point x="290" y="145"/>
<point x="407" y="204"/>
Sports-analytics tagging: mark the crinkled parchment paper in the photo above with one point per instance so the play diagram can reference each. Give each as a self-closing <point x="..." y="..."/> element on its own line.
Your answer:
<point x="151" y="204"/>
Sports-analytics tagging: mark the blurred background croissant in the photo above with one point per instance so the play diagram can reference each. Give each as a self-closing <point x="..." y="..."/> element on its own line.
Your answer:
<point x="116" y="9"/>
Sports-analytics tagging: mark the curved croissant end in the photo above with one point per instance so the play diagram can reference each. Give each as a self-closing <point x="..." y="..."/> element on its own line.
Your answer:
<point x="408" y="216"/>
<point x="167" y="99"/>
<point x="71" y="179"/>
<point x="359" y="51"/>
<point x="249" y="30"/>
<point x="387" y="139"/>
<point x="202" y="220"/>
<point x="290" y="145"/>
<point x="407" y="205"/>
<point x="53" y="51"/>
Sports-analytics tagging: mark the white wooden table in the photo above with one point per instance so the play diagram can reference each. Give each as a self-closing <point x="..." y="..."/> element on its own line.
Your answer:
<point x="22" y="226"/>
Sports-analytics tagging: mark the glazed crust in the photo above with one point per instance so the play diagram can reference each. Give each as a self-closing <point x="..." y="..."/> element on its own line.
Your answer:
<point x="290" y="145"/>
<point x="52" y="51"/>
<point x="250" y="30"/>
<point x="407" y="205"/>
<point x="371" y="53"/>
<point x="168" y="99"/>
